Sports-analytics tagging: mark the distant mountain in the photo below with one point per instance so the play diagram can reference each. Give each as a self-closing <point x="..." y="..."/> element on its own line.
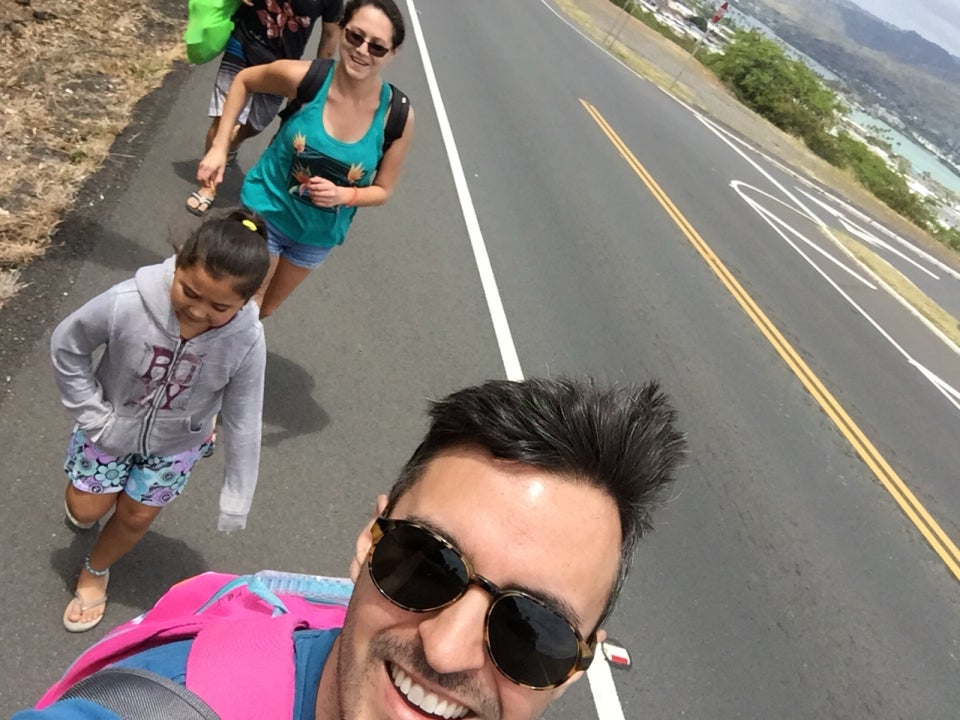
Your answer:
<point x="905" y="46"/>
<point x="912" y="78"/>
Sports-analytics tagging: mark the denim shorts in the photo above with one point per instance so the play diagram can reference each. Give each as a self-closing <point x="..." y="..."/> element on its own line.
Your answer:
<point x="299" y="254"/>
<point x="152" y="480"/>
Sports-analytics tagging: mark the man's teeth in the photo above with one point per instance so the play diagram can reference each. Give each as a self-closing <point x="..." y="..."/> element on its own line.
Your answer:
<point x="428" y="702"/>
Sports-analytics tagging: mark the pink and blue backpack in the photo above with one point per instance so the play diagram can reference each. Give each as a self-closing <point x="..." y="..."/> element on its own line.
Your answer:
<point x="242" y="629"/>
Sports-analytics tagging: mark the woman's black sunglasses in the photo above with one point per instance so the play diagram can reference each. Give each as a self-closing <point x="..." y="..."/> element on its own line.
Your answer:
<point x="358" y="39"/>
<point x="529" y="642"/>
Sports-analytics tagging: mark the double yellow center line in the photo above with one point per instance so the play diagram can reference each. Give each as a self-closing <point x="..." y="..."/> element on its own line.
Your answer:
<point x="907" y="501"/>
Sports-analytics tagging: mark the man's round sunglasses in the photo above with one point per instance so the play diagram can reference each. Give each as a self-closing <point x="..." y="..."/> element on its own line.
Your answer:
<point x="358" y="39"/>
<point x="528" y="641"/>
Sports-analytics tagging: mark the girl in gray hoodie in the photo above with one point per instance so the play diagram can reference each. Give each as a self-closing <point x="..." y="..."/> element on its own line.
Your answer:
<point x="180" y="343"/>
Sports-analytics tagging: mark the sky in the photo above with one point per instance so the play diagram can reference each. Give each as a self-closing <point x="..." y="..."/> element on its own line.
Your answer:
<point x="936" y="20"/>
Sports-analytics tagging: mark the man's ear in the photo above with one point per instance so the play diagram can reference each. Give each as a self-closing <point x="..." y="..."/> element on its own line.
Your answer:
<point x="601" y="636"/>
<point x="365" y="540"/>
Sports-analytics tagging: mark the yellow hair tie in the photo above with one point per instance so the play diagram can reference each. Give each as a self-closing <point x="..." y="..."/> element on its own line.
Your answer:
<point x="250" y="224"/>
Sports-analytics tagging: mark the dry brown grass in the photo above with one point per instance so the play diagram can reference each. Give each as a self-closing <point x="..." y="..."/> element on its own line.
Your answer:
<point x="902" y="286"/>
<point x="70" y="73"/>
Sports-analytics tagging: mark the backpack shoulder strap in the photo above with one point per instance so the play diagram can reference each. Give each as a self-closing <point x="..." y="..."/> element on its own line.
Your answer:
<point x="309" y="87"/>
<point x="233" y="659"/>
<point x="397" y="118"/>
<point x="136" y="694"/>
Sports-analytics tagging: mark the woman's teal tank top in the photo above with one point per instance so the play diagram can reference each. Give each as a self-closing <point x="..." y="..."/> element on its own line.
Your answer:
<point x="276" y="186"/>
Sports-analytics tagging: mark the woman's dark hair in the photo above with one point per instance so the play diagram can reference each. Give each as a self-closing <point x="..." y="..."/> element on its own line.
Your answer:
<point x="387" y="7"/>
<point x="232" y="244"/>
<point x="622" y="440"/>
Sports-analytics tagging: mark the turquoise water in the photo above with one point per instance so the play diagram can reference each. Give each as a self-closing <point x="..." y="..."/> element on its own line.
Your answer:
<point x="920" y="159"/>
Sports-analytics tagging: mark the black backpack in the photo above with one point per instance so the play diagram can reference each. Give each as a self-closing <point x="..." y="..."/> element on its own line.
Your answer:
<point x="135" y="694"/>
<point x="312" y="82"/>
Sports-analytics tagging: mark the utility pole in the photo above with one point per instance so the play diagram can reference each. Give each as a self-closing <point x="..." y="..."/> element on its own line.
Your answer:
<point x="717" y="17"/>
<point x="613" y="34"/>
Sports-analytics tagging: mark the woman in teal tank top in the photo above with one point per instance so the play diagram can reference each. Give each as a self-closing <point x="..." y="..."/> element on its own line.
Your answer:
<point x="327" y="159"/>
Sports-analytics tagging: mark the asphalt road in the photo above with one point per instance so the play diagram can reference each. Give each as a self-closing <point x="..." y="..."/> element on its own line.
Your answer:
<point x="783" y="580"/>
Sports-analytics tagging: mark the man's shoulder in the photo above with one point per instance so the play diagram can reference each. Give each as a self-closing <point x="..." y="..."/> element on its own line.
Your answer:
<point x="315" y="639"/>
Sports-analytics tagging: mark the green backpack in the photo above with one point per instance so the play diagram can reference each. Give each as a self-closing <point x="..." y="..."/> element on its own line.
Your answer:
<point x="209" y="24"/>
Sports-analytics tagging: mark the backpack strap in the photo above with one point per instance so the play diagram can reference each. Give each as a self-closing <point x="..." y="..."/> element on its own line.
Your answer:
<point x="234" y="659"/>
<point x="308" y="88"/>
<point x="397" y="117"/>
<point x="135" y="694"/>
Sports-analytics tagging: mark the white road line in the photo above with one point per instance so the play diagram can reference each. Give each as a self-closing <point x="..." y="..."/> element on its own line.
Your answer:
<point x="886" y="231"/>
<point x="774" y="220"/>
<point x="949" y="392"/>
<point x="508" y="352"/>
<point x="867" y="236"/>
<point x="604" y="691"/>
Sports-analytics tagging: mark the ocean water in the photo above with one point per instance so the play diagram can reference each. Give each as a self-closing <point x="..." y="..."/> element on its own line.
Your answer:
<point x="920" y="159"/>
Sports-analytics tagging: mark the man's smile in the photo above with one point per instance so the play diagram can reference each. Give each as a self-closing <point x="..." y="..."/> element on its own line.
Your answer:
<point x="427" y="702"/>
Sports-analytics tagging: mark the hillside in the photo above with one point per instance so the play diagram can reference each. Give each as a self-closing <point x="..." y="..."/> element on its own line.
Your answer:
<point x="915" y="80"/>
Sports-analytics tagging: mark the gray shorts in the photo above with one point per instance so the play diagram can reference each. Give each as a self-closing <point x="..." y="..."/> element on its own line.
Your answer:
<point x="260" y="109"/>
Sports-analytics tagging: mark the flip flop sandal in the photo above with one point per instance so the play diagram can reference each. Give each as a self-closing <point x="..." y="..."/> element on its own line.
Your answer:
<point x="203" y="204"/>
<point x="78" y="626"/>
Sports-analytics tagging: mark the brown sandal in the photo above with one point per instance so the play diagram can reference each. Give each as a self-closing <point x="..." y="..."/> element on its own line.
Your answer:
<point x="77" y="626"/>
<point x="203" y="203"/>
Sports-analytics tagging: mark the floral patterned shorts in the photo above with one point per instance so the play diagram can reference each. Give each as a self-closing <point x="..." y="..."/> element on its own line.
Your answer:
<point x="151" y="480"/>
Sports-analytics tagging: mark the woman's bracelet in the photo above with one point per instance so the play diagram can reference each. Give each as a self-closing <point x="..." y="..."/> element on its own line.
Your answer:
<point x="353" y="197"/>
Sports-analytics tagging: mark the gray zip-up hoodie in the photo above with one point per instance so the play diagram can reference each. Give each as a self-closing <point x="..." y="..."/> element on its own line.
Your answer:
<point x="153" y="393"/>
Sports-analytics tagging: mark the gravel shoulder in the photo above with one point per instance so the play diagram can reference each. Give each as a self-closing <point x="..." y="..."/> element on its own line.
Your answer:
<point x="67" y="155"/>
<point x="71" y="74"/>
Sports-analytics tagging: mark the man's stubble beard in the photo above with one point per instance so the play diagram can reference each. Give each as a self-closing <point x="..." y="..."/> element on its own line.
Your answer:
<point x="383" y="648"/>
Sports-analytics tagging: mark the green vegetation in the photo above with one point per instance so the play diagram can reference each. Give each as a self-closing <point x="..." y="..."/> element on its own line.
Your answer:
<point x="948" y="236"/>
<point x="783" y="90"/>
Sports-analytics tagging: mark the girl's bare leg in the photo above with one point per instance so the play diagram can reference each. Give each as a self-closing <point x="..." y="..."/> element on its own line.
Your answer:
<point x="87" y="507"/>
<point x="258" y="296"/>
<point x="125" y="529"/>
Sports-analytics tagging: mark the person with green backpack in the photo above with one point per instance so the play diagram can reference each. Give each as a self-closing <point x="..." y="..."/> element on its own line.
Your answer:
<point x="262" y="31"/>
